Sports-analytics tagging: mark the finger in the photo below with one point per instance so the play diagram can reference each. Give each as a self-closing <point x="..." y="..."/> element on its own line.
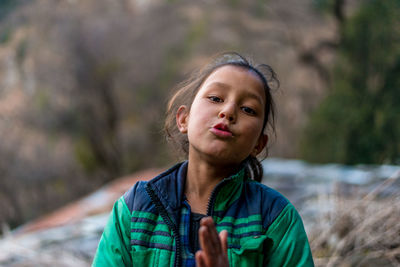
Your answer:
<point x="208" y="254"/>
<point x="204" y="240"/>
<point x="223" y="236"/>
<point x="209" y="222"/>
<point x="215" y="243"/>
<point x="211" y="236"/>
<point x="200" y="262"/>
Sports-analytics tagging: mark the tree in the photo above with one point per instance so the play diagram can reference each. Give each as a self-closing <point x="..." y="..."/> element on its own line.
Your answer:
<point x="358" y="122"/>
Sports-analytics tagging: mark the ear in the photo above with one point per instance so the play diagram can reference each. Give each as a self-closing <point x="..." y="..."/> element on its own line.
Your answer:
<point x="261" y="143"/>
<point x="182" y="118"/>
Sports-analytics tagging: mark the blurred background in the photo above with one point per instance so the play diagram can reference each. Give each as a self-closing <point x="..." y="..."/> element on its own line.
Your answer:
<point x="84" y="86"/>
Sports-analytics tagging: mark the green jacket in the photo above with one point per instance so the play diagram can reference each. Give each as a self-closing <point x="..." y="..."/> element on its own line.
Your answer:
<point x="263" y="227"/>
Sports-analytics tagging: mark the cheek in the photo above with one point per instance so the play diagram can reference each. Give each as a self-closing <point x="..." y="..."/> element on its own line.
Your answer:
<point x="254" y="127"/>
<point x="201" y="112"/>
<point x="252" y="132"/>
<point x="199" y="121"/>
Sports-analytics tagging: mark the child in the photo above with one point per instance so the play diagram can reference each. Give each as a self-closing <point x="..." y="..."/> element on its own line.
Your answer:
<point x="218" y="118"/>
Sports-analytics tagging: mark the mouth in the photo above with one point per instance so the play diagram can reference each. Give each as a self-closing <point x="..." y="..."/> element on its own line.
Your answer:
<point x="221" y="130"/>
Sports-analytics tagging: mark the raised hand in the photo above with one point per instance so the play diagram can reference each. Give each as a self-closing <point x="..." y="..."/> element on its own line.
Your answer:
<point x="214" y="247"/>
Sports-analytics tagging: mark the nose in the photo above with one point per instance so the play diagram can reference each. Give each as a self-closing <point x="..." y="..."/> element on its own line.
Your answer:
<point x="228" y="112"/>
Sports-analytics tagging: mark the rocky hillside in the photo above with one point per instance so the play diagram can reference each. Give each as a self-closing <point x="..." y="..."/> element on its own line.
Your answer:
<point x="84" y="84"/>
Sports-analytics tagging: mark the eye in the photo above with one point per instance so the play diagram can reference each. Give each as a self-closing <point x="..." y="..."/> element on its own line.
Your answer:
<point x="249" y="110"/>
<point x="215" y="99"/>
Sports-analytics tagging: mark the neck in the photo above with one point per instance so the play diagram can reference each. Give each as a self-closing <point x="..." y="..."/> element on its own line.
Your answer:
<point x="203" y="176"/>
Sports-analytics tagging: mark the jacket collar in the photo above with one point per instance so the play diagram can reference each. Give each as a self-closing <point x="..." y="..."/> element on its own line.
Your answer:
<point x="169" y="187"/>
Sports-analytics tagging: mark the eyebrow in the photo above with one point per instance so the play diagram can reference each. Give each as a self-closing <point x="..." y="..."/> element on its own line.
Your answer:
<point x="254" y="96"/>
<point x="219" y="84"/>
<point x="247" y="94"/>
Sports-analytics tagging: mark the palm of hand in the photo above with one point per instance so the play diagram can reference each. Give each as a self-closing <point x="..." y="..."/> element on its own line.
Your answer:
<point x="214" y="247"/>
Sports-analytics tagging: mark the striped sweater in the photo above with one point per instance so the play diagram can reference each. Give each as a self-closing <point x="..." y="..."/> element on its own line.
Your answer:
<point x="263" y="227"/>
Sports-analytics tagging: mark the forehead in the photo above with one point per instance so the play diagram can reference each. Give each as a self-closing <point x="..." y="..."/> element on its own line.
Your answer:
<point x="231" y="76"/>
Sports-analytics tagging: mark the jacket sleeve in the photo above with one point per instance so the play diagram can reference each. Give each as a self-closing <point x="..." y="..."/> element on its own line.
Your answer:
<point x="290" y="244"/>
<point x="114" y="247"/>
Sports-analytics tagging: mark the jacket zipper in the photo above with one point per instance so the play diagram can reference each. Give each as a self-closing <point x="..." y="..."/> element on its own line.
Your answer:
<point x="213" y="196"/>
<point x="168" y="221"/>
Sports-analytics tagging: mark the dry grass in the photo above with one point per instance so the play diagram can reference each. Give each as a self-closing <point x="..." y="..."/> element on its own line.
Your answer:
<point x="360" y="230"/>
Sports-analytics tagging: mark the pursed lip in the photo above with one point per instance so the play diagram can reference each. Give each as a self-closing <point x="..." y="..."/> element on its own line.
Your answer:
<point x="221" y="130"/>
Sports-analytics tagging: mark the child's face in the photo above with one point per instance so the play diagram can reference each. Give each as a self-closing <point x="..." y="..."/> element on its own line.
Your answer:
<point x="224" y="124"/>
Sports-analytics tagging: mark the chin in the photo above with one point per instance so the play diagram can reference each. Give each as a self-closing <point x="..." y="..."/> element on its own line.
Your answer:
<point x="224" y="158"/>
<point x="220" y="155"/>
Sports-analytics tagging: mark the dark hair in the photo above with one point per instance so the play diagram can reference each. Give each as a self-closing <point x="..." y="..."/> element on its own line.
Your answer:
<point x="187" y="90"/>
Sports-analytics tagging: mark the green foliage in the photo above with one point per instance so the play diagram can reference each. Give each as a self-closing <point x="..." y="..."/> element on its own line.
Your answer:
<point x="323" y="5"/>
<point x="5" y="35"/>
<point x="359" y="121"/>
<point x="234" y="3"/>
<point x="6" y="6"/>
<point x="41" y="100"/>
<point x="85" y="156"/>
